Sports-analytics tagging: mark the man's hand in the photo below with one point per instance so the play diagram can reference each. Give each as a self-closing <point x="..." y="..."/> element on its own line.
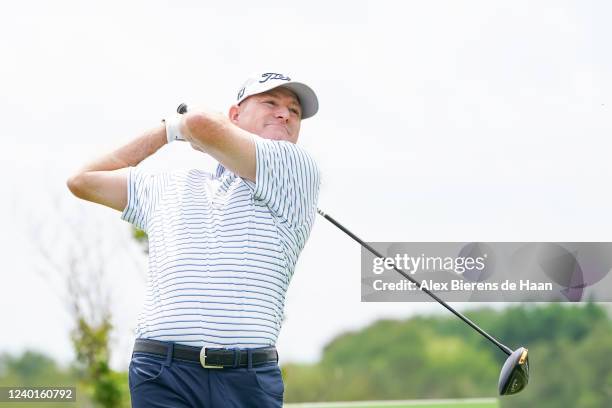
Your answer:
<point x="174" y="129"/>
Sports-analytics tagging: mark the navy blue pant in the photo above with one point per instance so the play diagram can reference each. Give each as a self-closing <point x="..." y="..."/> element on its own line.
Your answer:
<point x="158" y="381"/>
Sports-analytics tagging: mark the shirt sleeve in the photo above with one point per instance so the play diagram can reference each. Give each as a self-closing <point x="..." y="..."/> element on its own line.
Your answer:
<point x="287" y="180"/>
<point x="143" y="193"/>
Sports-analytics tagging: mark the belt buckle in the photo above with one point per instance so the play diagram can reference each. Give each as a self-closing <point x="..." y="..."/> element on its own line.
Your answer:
<point x="203" y="360"/>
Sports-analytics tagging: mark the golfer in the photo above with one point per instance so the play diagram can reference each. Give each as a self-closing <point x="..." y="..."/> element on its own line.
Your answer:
<point x="222" y="246"/>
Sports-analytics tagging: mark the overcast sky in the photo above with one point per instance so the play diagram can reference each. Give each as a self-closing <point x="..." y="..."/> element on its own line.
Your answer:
<point x="439" y="121"/>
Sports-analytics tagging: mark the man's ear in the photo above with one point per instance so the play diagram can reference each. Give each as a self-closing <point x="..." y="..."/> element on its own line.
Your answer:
<point x="234" y="112"/>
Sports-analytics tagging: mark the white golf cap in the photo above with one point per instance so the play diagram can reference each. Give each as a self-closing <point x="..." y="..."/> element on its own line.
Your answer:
<point x="269" y="80"/>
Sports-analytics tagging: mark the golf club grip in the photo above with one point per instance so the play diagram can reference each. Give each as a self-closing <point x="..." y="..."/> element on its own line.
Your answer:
<point x="410" y="278"/>
<point x="182" y="108"/>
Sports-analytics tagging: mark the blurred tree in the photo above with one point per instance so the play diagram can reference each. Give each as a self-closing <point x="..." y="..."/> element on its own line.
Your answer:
<point x="91" y="345"/>
<point x="141" y="237"/>
<point x="436" y="357"/>
<point x="32" y="368"/>
<point x="74" y="250"/>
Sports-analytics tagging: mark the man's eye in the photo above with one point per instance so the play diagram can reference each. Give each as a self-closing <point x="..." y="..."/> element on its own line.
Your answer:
<point x="272" y="103"/>
<point x="295" y="111"/>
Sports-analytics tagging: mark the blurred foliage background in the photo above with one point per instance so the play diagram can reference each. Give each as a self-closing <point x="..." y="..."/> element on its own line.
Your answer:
<point x="570" y="349"/>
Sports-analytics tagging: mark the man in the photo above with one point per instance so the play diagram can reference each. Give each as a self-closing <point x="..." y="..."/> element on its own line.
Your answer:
<point x="222" y="247"/>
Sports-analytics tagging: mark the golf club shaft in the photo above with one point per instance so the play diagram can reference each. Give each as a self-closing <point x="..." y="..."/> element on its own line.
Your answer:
<point x="410" y="278"/>
<point x="182" y="108"/>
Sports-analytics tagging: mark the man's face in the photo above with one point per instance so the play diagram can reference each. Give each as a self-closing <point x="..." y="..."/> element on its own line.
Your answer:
<point x="275" y="115"/>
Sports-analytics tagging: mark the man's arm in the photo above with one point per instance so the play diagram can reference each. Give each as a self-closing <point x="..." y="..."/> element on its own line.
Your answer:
<point x="216" y="135"/>
<point x="104" y="181"/>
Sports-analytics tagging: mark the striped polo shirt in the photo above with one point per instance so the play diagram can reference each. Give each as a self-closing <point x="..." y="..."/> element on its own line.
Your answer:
<point x="222" y="249"/>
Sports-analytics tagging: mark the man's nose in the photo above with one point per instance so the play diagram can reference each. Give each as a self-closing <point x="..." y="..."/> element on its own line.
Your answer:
<point x="282" y="112"/>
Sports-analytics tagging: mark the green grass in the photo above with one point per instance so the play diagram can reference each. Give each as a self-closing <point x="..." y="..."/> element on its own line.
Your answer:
<point x="483" y="403"/>
<point x="459" y="405"/>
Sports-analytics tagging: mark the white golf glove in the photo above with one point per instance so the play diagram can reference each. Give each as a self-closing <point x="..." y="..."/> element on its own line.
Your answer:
<point x="173" y="128"/>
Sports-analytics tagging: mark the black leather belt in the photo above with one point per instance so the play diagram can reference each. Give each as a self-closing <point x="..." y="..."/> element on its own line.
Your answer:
<point x="209" y="357"/>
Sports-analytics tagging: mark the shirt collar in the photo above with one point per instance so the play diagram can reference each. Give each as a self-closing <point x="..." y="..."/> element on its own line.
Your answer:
<point x="220" y="170"/>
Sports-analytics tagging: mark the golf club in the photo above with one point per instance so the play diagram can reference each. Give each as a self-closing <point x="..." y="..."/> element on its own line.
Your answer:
<point x="515" y="371"/>
<point x="514" y="375"/>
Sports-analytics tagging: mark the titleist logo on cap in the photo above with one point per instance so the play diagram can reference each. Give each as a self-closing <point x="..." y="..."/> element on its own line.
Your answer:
<point x="272" y="75"/>
<point x="268" y="76"/>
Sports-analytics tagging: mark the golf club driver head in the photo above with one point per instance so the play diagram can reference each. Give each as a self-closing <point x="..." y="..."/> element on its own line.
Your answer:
<point x="514" y="375"/>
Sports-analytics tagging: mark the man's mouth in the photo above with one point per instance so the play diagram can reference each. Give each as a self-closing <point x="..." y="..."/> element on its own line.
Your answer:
<point x="279" y="125"/>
